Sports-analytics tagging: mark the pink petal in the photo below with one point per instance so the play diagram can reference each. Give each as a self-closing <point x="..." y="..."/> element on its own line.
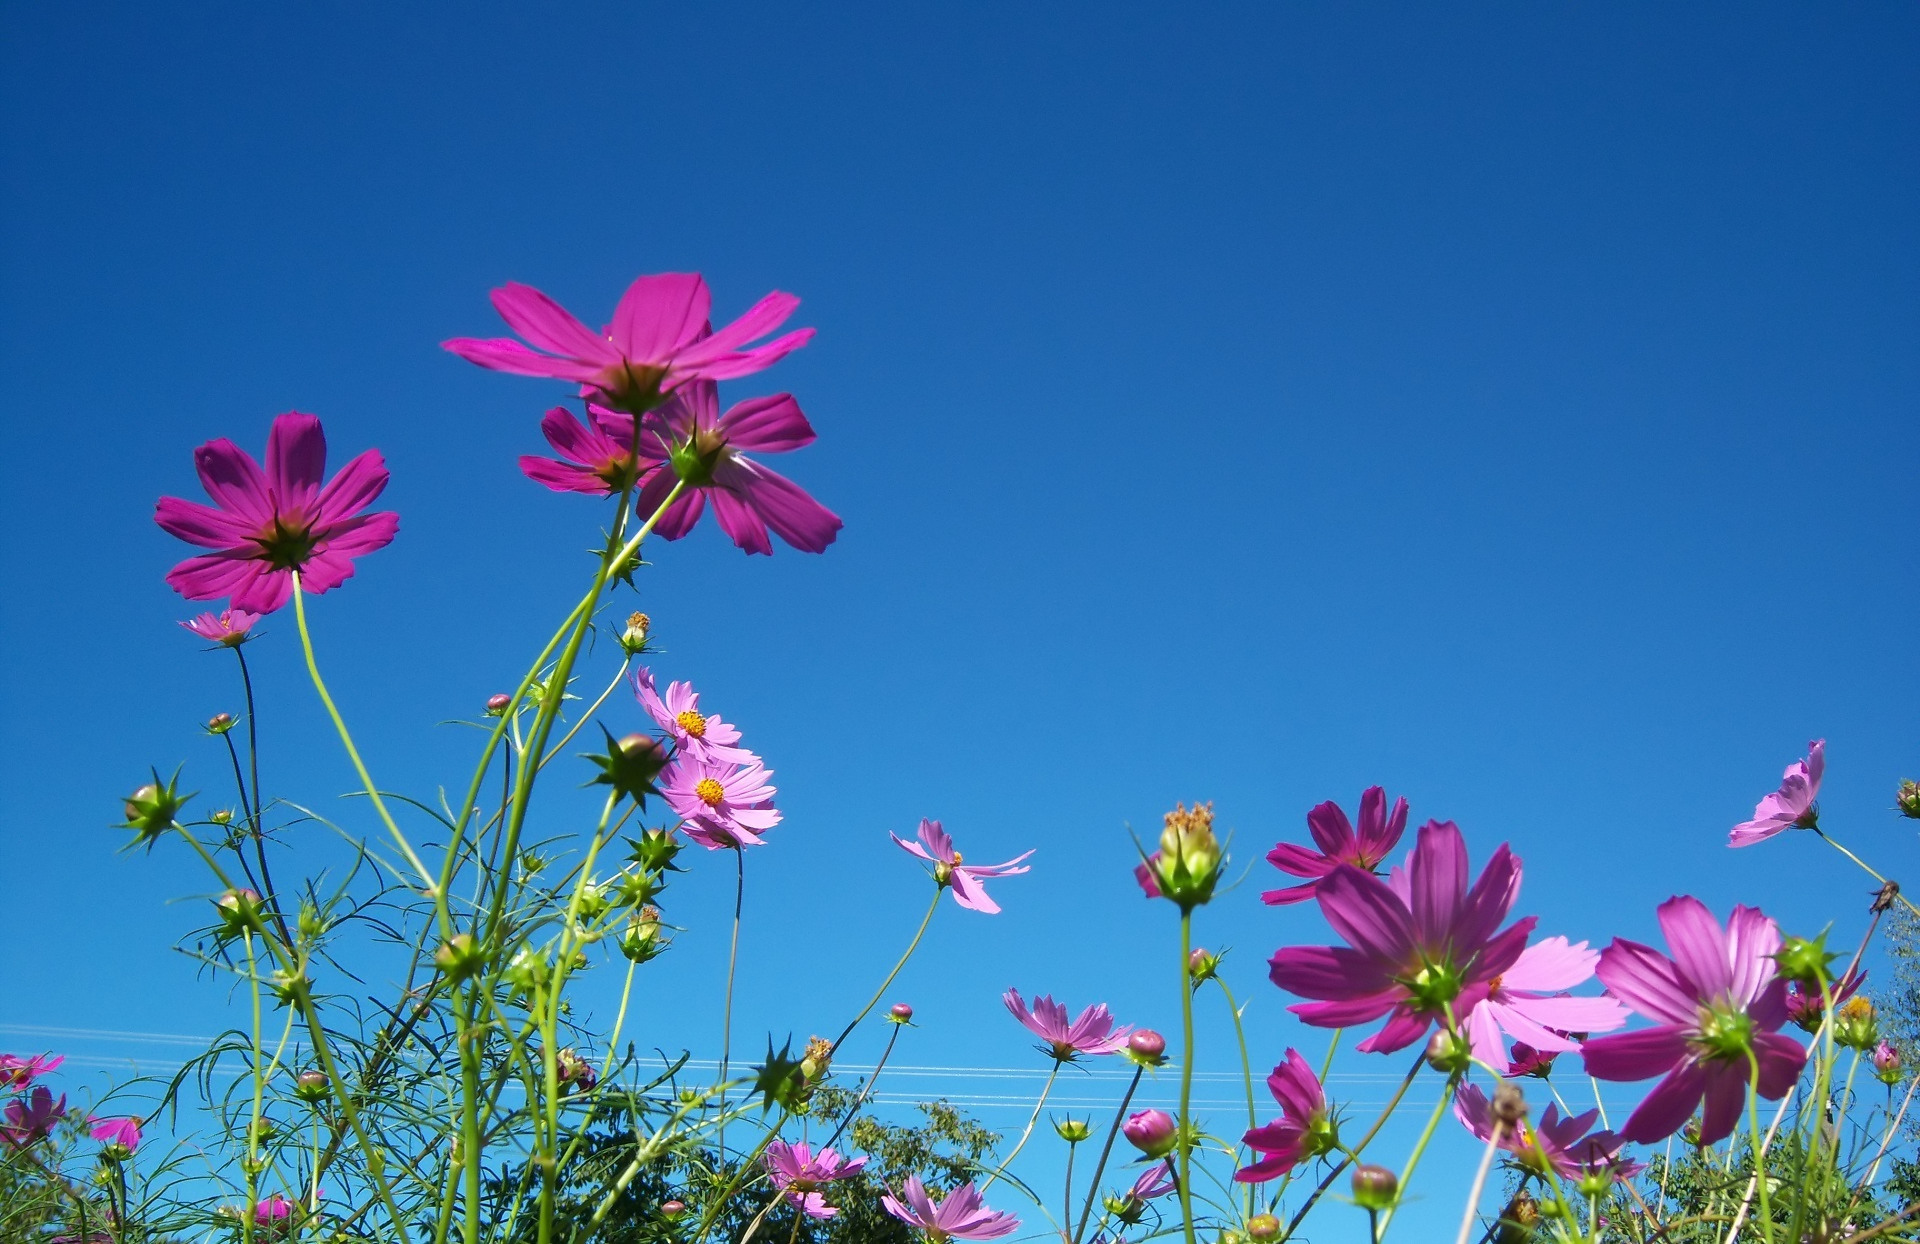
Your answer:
<point x="1698" y="945"/>
<point x="505" y="354"/>
<point x="1331" y="831"/>
<point x="1668" y="1107"/>
<point x="266" y="591"/>
<point x="1780" y="1058"/>
<point x="551" y="326"/>
<point x="1398" y="1033"/>
<point x="1438" y="873"/>
<point x="1572" y="1014"/>
<point x="353" y="488"/>
<point x="1550" y="965"/>
<point x="1348" y="1013"/>
<point x="572" y="439"/>
<point x="325" y="570"/>
<point x="562" y="476"/>
<point x="296" y="460"/>
<point x="1294" y="1085"/>
<point x="747" y="362"/>
<point x="1635" y="1055"/>
<point x="1726" y="1094"/>
<point x="1491" y="898"/>
<point x="1379" y="833"/>
<point x="738" y="520"/>
<point x="1291" y="857"/>
<point x="972" y="895"/>
<point x="1328" y="973"/>
<point x="767" y="425"/>
<point x="660" y="315"/>
<point x="760" y="319"/>
<point x="787" y="508"/>
<point x="359" y="536"/>
<point x="201" y="524"/>
<point x="1752" y="941"/>
<point x="1289" y="895"/>
<point x="1647" y="981"/>
<point x="1367" y="914"/>
<point x="233" y="479"/>
<point x="213" y="575"/>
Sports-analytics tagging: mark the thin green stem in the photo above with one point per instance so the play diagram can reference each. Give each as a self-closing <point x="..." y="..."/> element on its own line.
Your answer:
<point x="866" y="1088"/>
<point x="1759" y="1146"/>
<point x="1413" y="1159"/>
<point x="733" y="959"/>
<point x="1119" y="1116"/>
<point x="906" y="955"/>
<point x="1032" y="1119"/>
<point x="1246" y="1074"/>
<point x="1183" y="1140"/>
<point x="1868" y="869"/>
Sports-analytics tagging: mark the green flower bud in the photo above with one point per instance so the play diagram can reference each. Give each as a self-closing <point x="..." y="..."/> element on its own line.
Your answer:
<point x="1908" y="798"/>
<point x="219" y="723"/>
<point x="1189" y="862"/>
<point x="527" y="971"/>
<point x="1448" y="1052"/>
<point x="460" y="957"/>
<point x="1073" y="1131"/>
<point x="1855" y="1025"/>
<point x="151" y="809"/>
<point x="312" y="1087"/>
<point x="633" y="640"/>
<point x="642" y="940"/>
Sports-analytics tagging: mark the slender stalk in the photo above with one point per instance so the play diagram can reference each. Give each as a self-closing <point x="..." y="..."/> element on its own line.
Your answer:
<point x="1759" y="1146"/>
<point x="1032" y="1119"/>
<point x="251" y="1169"/>
<point x="1868" y="869"/>
<point x="1246" y="1074"/>
<point x="733" y="959"/>
<point x="1119" y="1116"/>
<point x="1183" y="1141"/>
<point x="1353" y="1155"/>
<point x="1066" y="1197"/>
<point x="1413" y="1159"/>
<point x="865" y="1088"/>
<point x="908" y="954"/>
<point x="1472" y="1212"/>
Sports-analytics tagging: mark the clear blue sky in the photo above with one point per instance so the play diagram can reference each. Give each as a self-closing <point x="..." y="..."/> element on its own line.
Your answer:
<point x="1512" y="405"/>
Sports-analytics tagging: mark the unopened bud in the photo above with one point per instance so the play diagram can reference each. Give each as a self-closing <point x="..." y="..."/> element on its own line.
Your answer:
<point x="1152" y="1132"/>
<point x="1374" y="1187"/>
<point x="1908" y="798"/>
<point x="634" y="638"/>
<point x="151" y="808"/>
<point x="312" y="1086"/>
<point x="497" y="703"/>
<point x="1448" y="1052"/>
<point x="239" y="912"/>
<point x="673" y="1210"/>
<point x="900" y="1013"/>
<point x="1146" y="1048"/>
<point x="1202" y="966"/>
<point x="1855" y="1026"/>
<point x="219" y="723"/>
<point x="1073" y="1131"/>
<point x="459" y="957"/>
<point x="1263" y="1227"/>
<point x="1886" y="1063"/>
<point x="1509" y="1104"/>
<point x="221" y="816"/>
<point x="642" y="941"/>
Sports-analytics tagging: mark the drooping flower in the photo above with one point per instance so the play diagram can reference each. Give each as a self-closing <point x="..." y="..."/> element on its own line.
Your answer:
<point x="1792" y="806"/>
<point x="1527" y="1061"/>
<point x="596" y="454"/>
<point x="690" y="440"/>
<point x="1716" y="1003"/>
<point x="1886" y="1063"/>
<point x="121" y="1137"/>
<point x="1304" y="1131"/>
<point x="936" y="848"/>
<point x="1807" y="1007"/>
<point x="797" y="1173"/>
<point x="1156" y="1181"/>
<point x="30" y="1118"/>
<point x="17" y="1073"/>
<point x="1553" y="1146"/>
<point x="229" y="628"/>
<point x="1529" y="1001"/>
<point x="1152" y="1132"/>
<point x="1380" y="830"/>
<point x="1418" y="942"/>
<point x="694" y="733"/>
<point x="962" y="1216"/>
<point x="266" y="524"/>
<point x="660" y="339"/>
<point x="723" y="804"/>
<point x="1092" y="1033"/>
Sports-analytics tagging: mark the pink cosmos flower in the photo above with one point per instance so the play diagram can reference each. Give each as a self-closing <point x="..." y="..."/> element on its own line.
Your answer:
<point x="936" y="847"/>
<point x="1716" y="1003"/>
<point x="1554" y="1145"/>
<point x="1528" y="1001"/>
<point x="31" y="1118"/>
<point x="1790" y="807"/>
<point x="274" y="1215"/>
<point x="1419" y="942"/>
<point x="121" y="1135"/>
<point x="596" y="456"/>
<point x="229" y="628"/>
<point x="694" y="733"/>
<point x="1156" y="1181"/>
<point x="1807" y="1007"/>
<point x="1304" y="1131"/>
<point x="1527" y="1061"/>
<point x="1152" y="1132"/>
<point x="264" y="525"/>
<point x="962" y="1216"/>
<point x="689" y="439"/>
<point x="1092" y="1033"/>
<point x="724" y="804"/>
<point x="797" y="1173"/>
<point x="17" y="1073"/>
<point x="1379" y="831"/>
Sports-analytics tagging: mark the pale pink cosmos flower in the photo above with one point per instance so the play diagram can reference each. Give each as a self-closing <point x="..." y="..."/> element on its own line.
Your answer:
<point x="962" y="1216"/>
<point x="596" y="455"/>
<point x="660" y="338"/>
<point x="1716" y="1004"/>
<point x="1092" y="1033"/>
<point x="936" y="847"/>
<point x="1553" y="1146"/>
<point x="1156" y="1181"/>
<point x="797" y="1173"/>
<point x="1419" y="941"/>
<point x="229" y="628"/>
<point x="1790" y="807"/>
<point x="1529" y="1002"/>
<point x="690" y="440"/>
<point x="17" y="1073"/>
<point x="723" y="804"/>
<point x="266" y="524"/>
<point x="694" y="733"/>
<point x="1334" y="834"/>
<point x="30" y="1118"/>
<point x="1304" y="1131"/>
<point x="122" y="1135"/>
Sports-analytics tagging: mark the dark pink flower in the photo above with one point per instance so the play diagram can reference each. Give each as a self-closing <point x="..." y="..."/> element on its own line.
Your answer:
<point x="660" y="339"/>
<point x="229" y="628"/>
<point x="1807" y="1007"/>
<point x="1529" y="1001"/>
<point x="962" y="1216"/>
<point x="120" y="1136"/>
<point x="689" y="439"/>
<point x="1419" y="942"/>
<point x="936" y="847"/>
<point x="797" y="1173"/>
<point x="17" y="1073"/>
<point x="1304" y="1131"/>
<point x="722" y="804"/>
<point x="264" y="525"/>
<point x="30" y="1118"/>
<point x="1379" y="831"/>
<point x="1527" y="1061"/>
<point x="596" y="456"/>
<point x="1790" y="807"/>
<point x="694" y="733"/>
<point x="1152" y="1132"/>
<point x="1554" y="1145"/>
<point x="1716" y="1003"/>
<point x="274" y="1215"/>
<point x="1092" y="1033"/>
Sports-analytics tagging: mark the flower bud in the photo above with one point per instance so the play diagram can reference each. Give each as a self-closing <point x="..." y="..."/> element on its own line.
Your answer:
<point x="630" y="765"/>
<point x="497" y="704"/>
<point x="817" y="1060"/>
<point x="642" y="940"/>
<point x="1374" y="1187"/>
<point x="1509" y="1105"/>
<point x="673" y="1211"/>
<point x="1146" y="1048"/>
<point x="1073" y="1131"/>
<point x="1202" y="966"/>
<point x="1263" y="1227"/>
<point x="1189" y="862"/>
<point x="1806" y="960"/>
<point x="312" y="924"/>
<point x="1152" y="1132"/>
<point x="312" y="1086"/>
<point x="152" y="807"/>
<point x="219" y="723"/>
<point x="239" y="912"/>
<point x="1886" y="1063"/>
<point x="633" y="640"/>
<point x="1855" y="1025"/>
<point x="1448" y="1052"/>
<point x="221" y="816"/>
<point x="1691" y="1132"/>
<point x="594" y="901"/>
<point x="527" y="971"/>
<point x="1908" y="798"/>
<point x="1125" y="1209"/>
<point x="900" y="1013"/>
<point x="459" y="957"/>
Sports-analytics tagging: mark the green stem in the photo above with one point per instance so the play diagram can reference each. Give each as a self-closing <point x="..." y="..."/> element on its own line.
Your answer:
<point x="733" y="959"/>
<point x="1413" y="1159"/>
<point x="1759" y="1147"/>
<point x="866" y="1088"/>
<point x="1825" y="837"/>
<point x="1032" y="1119"/>
<point x="1183" y="1139"/>
<point x="1246" y="1074"/>
<point x="880" y="992"/>
<point x="1119" y="1116"/>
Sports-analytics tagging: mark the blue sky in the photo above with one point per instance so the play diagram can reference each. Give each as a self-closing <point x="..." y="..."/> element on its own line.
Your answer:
<point x="1512" y="406"/>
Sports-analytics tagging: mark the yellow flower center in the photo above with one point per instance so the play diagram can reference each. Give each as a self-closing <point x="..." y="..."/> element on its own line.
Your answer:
<point x="710" y="792"/>
<point x="693" y="723"/>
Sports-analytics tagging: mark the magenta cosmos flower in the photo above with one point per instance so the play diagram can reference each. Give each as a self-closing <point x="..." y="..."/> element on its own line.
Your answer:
<point x="1790" y="807"/>
<point x="596" y="456"/>
<point x="229" y="628"/>
<point x="1304" y="1130"/>
<point x="30" y="1118"/>
<point x="694" y="732"/>
<point x="1529" y="1002"/>
<point x="962" y="1216"/>
<point x="1807" y="1008"/>
<point x="797" y="1173"/>
<point x="936" y="847"/>
<point x="722" y="803"/>
<point x="266" y="524"/>
<point x="1418" y="942"/>
<point x="690" y="440"/>
<point x="1716" y="1003"/>
<point x="17" y="1073"/>
<point x="1092" y="1033"/>
<point x="120" y="1136"/>
<point x="660" y="339"/>
<point x="1379" y="831"/>
<point x="1554" y="1145"/>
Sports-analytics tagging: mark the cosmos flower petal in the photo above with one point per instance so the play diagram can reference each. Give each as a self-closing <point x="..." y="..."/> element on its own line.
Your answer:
<point x="1667" y="1108"/>
<point x="768" y="425"/>
<point x="1647" y="981"/>
<point x="1551" y="965"/>
<point x="1698" y="945"/>
<point x="296" y="459"/>
<point x="1635" y="1055"/>
<point x="661" y="316"/>
<point x="1367" y="914"/>
<point x="550" y="326"/>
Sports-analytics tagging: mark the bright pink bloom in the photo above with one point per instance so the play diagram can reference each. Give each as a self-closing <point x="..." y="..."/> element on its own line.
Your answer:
<point x="1807" y="1007"/>
<point x="694" y="733"/>
<point x="660" y="339"/>
<point x="1790" y="807"/>
<point x="267" y="524"/>
<point x="229" y="628"/>
<point x="1379" y="831"/>
<point x="1715" y="1003"/>
<point x="723" y="804"/>
<point x="122" y="1135"/>
<point x="797" y="1173"/>
<point x="962" y="1216"/>
<point x="1304" y="1130"/>
<point x="274" y="1215"/>
<point x="1092" y="1033"/>
<point x="1419" y="942"/>
<point x="936" y="847"/>
<point x="17" y="1073"/>
<point x="1554" y="1145"/>
<point x="1527" y="1061"/>
<point x="1528" y="1001"/>
<point x="689" y="439"/>
<point x="30" y="1118"/>
<point x="1152" y="1132"/>
<point x="596" y="456"/>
